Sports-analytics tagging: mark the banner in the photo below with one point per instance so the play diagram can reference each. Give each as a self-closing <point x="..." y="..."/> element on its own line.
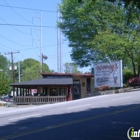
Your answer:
<point x="108" y="74"/>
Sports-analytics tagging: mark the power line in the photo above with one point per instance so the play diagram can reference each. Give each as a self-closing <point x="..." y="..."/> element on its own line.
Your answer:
<point x="3" y="49"/>
<point x="24" y="49"/>
<point x="13" y="41"/>
<point x="24" y="25"/>
<point x="24" y="8"/>
<point x="35" y="47"/>
<point x="5" y="46"/>
<point x="17" y="12"/>
<point x="14" y="27"/>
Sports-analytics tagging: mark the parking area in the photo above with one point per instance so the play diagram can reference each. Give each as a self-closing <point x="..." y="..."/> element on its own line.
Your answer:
<point x="6" y="100"/>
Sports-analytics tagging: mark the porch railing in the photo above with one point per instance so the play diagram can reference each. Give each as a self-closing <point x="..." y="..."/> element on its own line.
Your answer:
<point x="38" y="99"/>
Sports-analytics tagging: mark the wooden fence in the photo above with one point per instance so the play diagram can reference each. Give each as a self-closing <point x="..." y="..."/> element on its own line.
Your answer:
<point x="24" y="100"/>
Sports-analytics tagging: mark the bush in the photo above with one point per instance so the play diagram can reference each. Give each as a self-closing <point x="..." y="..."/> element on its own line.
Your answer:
<point x="127" y="74"/>
<point x="101" y="88"/>
<point x="125" y="85"/>
<point x="134" y="81"/>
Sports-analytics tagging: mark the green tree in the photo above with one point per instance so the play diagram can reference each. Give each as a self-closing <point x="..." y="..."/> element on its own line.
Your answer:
<point x="127" y="2"/>
<point x="82" y="22"/>
<point x="31" y="73"/>
<point x="30" y="69"/>
<point x="101" y="31"/>
<point x="4" y="63"/>
<point x="70" y="68"/>
<point x="4" y="83"/>
<point x="5" y="75"/>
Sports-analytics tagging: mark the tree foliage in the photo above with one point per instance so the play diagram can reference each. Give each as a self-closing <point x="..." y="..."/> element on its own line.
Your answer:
<point x="4" y="83"/>
<point x="4" y="75"/>
<point x="31" y="69"/>
<point x="4" y="63"/>
<point x="71" y="68"/>
<point x="100" y="30"/>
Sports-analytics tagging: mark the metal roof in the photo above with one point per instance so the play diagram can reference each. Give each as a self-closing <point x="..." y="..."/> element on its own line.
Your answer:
<point x="45" y="81"/>
<point x="68" y="74"/>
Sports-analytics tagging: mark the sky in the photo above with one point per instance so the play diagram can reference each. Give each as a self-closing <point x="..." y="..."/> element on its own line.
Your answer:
<point x="20" y="32"/>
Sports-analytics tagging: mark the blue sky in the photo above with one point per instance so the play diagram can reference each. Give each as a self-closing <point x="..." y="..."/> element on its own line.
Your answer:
<point x="26" y="39"/>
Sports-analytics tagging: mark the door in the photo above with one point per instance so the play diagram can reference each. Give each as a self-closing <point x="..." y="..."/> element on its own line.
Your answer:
<point x="76" y="91"/>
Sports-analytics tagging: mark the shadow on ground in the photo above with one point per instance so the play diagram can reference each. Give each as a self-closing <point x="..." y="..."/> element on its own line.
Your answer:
<point x="110" y="123"/>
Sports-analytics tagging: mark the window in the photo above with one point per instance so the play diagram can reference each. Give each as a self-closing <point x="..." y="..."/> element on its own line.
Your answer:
<point x="76" y="82"/>
<point x="53" y="92"/>
<point x="88" y="84"/>
<point x="62" y="91"/>
<point x="83" y="84"/>
<point x="76" y="90"/>
<point x="45" y="91"/>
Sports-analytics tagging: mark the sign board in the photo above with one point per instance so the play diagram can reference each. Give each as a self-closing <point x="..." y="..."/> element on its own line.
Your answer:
<point x="108" y="74"/>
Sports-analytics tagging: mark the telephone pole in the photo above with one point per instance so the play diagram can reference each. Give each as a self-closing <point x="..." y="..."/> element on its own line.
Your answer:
<point x="13" y="68"/>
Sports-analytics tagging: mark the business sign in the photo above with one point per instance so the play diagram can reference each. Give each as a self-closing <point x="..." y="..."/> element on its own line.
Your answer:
<point x="108" y="74"/>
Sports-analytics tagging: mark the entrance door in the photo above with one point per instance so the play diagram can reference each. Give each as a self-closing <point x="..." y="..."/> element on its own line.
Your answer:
<point x="76" y="91"/>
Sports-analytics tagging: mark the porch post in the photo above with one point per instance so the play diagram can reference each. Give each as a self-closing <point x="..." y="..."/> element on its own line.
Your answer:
<point x="69" y="97"/>
<point x="17" y="91"/>
<point x="20" y="92"/>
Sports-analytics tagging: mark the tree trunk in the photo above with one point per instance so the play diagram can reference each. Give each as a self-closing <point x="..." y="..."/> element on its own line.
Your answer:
<point x="134" y="67"/>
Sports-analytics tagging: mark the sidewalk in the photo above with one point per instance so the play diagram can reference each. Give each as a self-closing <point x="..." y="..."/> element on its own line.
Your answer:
<point x="115" y="91"/>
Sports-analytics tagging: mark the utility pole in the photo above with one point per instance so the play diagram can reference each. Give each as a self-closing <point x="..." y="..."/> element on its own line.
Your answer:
<point x="40" y="17"/>
<point x="58" y="68"/>
<point x="18" y="71"/>
<point x="13" y="69"/>
<point x="43" y="57"/>
<point x="59" y="47"/>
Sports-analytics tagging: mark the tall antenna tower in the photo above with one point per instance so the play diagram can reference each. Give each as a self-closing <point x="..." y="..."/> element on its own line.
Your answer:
<point x="59" y="46"/>
<point x="40" y="29"/>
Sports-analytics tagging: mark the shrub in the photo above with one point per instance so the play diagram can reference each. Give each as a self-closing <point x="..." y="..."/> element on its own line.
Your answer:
<point x="127" y="74"/>
<point x="125" y="85"/>
<point x="103" y="88"/>
<point x="134" y="81"/>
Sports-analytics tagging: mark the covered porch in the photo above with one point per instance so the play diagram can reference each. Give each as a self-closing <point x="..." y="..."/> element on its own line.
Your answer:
<point x="42" y="91"/>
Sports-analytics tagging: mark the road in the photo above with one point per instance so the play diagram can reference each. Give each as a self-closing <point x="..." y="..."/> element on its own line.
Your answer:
<point x="106" y="117"/>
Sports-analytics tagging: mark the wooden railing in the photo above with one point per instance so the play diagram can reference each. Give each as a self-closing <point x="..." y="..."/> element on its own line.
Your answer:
<point x="38" y="99"/>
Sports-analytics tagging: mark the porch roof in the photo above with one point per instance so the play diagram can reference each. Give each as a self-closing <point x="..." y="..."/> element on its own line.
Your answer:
<point x="45" y="81"/>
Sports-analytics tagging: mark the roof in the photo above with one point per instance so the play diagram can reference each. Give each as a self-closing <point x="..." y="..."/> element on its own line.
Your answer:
<point x="45" y="81"/>
<point x="67" y="74"/>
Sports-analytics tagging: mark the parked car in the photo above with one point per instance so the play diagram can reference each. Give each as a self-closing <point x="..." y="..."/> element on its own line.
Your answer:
<point x="6" y="99"/>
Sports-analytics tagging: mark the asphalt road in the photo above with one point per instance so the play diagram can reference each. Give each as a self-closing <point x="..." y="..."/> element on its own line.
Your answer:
<point x="106" y="117"/>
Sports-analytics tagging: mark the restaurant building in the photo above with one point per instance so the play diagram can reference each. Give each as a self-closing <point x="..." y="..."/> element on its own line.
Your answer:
<point x="55" y="86"/>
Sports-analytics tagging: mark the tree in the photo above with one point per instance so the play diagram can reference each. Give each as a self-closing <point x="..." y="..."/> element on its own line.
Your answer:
<point x="30" y="69"/>
<point x="5" y="75"/>
<point x="99" y="31"/>
<point x="31" y="73"/>
<point x="4" y="63"/>
<point x="83" y="23"/>
<point x="71" y="68"/>
<point x="4" y="83"/>
<point x="128" y="2"/>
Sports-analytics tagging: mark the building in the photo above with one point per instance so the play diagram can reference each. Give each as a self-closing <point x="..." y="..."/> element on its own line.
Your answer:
<point x="70" y="86"/>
